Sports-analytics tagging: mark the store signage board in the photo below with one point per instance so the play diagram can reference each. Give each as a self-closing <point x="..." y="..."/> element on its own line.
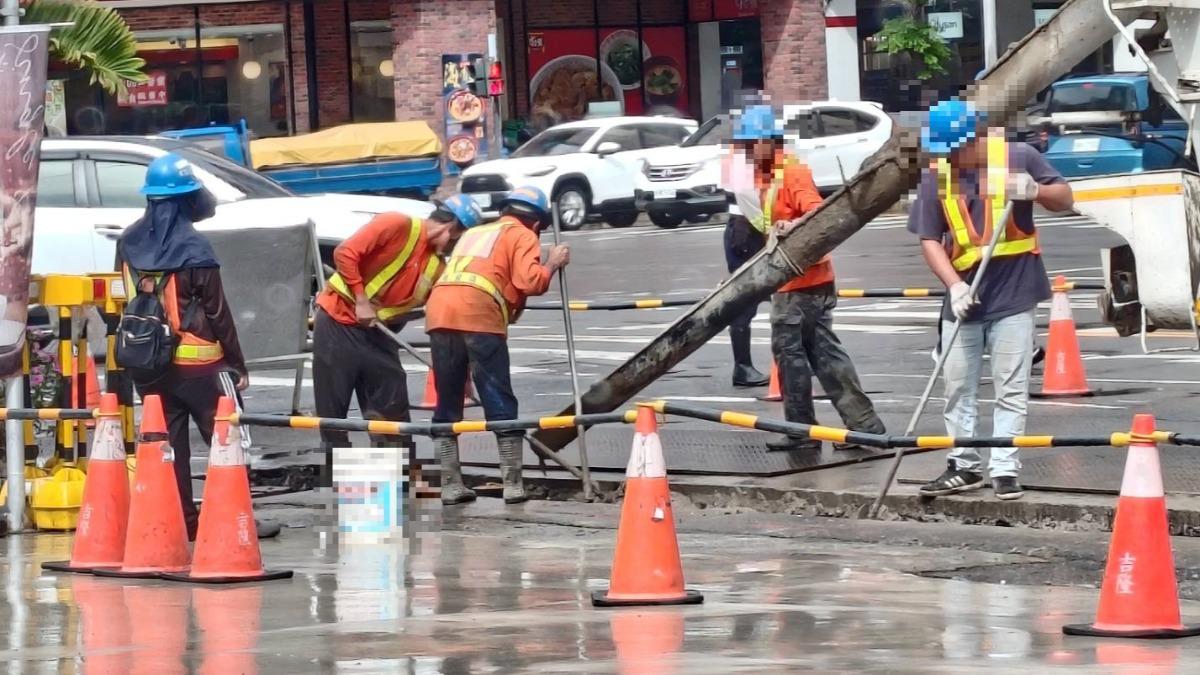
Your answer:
<point x="152" y="92"/>
<point x="1041" y="16"/>
<point x="949" y="25"/>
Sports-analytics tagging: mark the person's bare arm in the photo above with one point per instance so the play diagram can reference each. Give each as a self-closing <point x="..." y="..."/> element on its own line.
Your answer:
<point x="1055" y="196"/>
<point x="939" y="262"/>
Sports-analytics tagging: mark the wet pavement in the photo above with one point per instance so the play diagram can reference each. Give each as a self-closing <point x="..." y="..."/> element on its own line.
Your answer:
<point x="494" y="589"/>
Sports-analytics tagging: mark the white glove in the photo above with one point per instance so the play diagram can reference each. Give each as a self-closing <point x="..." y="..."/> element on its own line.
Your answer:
<point x="1021" y="187"/>
<point x="961" y="301"/>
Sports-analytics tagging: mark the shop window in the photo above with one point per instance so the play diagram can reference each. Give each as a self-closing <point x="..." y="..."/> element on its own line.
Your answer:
<point x="626" y="137"/>
<point x="56" y="184"/>
<point x="373" y="96"/>
<point x="658" y="135"/>
<point x="839" y="121"/>
<point x="120" y="184"/>
<point x="243" y="67"/>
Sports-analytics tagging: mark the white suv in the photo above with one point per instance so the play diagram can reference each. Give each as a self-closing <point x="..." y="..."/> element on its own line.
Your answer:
<point x="88" y="193"/>
<point x="682" y="182"/>
<point x="587" y="168"/>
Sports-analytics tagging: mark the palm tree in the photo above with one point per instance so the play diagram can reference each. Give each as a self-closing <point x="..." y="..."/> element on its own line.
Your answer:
<point x="98" y="41"/>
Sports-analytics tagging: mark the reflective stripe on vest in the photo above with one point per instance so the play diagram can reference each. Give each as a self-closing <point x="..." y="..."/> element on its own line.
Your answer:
<point x="384" y="276"/>
<point x="968" y="241"/>
<point x="478" y="242"/>
<point x="763" y="222"/>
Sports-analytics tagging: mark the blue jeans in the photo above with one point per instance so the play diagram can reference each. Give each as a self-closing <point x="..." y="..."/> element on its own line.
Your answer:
<point x="1010" y="343"/>
<point x="485" y="357"/>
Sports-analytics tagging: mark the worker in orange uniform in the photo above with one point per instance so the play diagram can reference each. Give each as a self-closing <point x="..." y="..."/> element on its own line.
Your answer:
<point x="384" y="271"/>
<point x="802" y="336"/>
<point x="492" y="271"/>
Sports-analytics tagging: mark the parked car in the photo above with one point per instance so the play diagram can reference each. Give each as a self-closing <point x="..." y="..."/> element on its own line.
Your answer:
<point x="586" y="167"/>
<point x="681" y="183"/>
<point x="1103" y="124"/>
<point x="88" y="193"/>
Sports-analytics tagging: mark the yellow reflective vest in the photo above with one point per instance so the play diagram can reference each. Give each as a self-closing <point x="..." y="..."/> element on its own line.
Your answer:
<point x="384" y="276"/>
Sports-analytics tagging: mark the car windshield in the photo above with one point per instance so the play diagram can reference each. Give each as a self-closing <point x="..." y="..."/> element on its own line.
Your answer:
<point x="556" y="142"/>
<point x="712" y="132"/>
<point x="1091" y="97"/>
<point x="254" y="185"/>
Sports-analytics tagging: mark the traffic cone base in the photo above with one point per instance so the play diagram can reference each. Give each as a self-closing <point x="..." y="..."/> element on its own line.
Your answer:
<point x="104" y="513"/>
<point x="774" y="390"/>
<point x="226" y="550"/>
<point x="646" y="567"/>
<point x="1139" y="597"/>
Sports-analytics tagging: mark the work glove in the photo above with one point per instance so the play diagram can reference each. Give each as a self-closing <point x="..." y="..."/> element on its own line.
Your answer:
<point x="961" y="301"/>
<point x="1021" y="187"/>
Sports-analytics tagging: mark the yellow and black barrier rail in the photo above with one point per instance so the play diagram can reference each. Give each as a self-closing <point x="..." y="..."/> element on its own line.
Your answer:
<point x="726" y="417"/>
<point x="659" y="303"/>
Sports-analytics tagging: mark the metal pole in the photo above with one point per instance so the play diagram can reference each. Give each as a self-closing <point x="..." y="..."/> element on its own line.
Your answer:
<point x="937" y="369"/>
<point x="14" y="395"/>
<point x="569" y="332"/>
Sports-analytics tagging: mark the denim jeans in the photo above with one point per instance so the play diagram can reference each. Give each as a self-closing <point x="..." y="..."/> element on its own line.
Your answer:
<point x="485" y="357"/>
<point x="1010" y="343"/>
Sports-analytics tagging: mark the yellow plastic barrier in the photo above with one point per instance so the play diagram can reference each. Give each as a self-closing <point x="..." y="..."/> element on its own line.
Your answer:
<point x="56" y="500"/>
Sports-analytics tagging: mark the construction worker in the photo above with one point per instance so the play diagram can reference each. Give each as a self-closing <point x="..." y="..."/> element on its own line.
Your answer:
<point x="743" y="239"/>
<point x="960" y="197"/>
<point x="163" y="254"/>
<point x="802" y="336"/>
<point x="492" y="271"/>
<point x="385" y="270"/>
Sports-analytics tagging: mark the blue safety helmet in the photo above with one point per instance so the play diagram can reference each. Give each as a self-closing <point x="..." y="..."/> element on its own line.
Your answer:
<point x="169" y="176"/>
<point x="951" y="124"/>
<point x="756" y="123"/>
<point x="464" y="209"/>
<point x="530" y="201"/>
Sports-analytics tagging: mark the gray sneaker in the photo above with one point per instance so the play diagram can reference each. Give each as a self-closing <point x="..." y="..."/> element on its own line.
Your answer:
<point x="1007" y="488"/>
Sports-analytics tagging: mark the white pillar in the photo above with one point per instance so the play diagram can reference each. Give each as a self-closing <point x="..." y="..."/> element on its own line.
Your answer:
<point x="841" y="50"/>
<point x="990" y="39"/>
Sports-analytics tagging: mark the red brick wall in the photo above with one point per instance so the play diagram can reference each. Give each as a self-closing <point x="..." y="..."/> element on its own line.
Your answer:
<point x="299" y="69"/>
<point x="424" y="30"/>
<point x="793" y="37"/>
<point x="333" y="70"/>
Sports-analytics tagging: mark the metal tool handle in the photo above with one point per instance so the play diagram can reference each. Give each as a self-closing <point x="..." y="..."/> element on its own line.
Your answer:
<point x="569" y="333"/>
<point x="997" y="229"/>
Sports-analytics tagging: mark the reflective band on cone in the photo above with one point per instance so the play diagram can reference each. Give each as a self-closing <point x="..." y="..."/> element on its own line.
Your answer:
<point x="227" y="541"/>
<point x="646" y="567"/>
<point x="104" y="512"/>
<point x="1139" y="597"/>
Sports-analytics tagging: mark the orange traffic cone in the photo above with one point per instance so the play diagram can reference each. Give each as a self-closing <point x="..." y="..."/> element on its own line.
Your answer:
<point x="648" y="641"/>
<point x="156" y="541"/>
<point x="104" y="514"/>
<point x="774" y="390"/>
<point x="1064" y="374"/>
<point x="227" y="540"/>
<point x="1139" y="597"/>
<point x="158" y="618"/>
<point x="429" y="400"/>
<point x="105" y="626"/>
<point x="229" y="623"/>
<point x="646" y="567"/>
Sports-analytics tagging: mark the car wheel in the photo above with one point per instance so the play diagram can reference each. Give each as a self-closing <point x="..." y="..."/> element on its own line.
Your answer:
<point x="571" y="202"/>
<point x="669" y="221"/>
<point x="621" y="218"/>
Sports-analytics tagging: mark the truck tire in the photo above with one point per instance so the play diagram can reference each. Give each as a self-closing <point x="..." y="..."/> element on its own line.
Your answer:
<point x="621" y="218"/>
<point x="665" y="220"/>
<point x="573" y="202"/>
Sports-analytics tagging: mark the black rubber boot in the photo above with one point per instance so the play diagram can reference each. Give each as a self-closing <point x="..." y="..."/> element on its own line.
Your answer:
<point x="744" y="372"/>
<point x="785" y="443"/>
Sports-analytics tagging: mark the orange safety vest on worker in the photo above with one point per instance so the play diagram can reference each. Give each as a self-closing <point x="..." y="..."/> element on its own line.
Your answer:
<point x="967" y="241"/>
<point x="192" y="350"/>
<point x="789" y="194"/>
<point x="390" y="260"/>
<point x="494" y="268"/>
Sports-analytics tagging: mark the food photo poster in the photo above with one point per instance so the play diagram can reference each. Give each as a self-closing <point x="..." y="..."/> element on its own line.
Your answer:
<point x="464" y="112"/>
<point x="565" y="75"/>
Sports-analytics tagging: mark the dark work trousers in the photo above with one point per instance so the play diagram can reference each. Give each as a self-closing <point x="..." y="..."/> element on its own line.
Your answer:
<point x="742" y="242"/>
<point x="361" y="362"/>
<point x="186" y="397"/>
<point x="804" y="344"/>
<point x="485" y="357"/>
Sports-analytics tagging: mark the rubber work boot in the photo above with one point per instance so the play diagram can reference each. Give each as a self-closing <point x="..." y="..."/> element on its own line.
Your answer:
<point x="785" y="443"/>
<point x="512" y="448"/>
<point x="453" y="490"/>
<point x="744" y="372"/>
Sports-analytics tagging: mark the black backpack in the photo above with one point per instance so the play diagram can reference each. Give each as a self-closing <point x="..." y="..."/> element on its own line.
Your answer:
<point x="145" y="341"/>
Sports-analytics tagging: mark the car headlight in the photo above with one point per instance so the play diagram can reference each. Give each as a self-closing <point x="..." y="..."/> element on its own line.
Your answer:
<point x="542" y="171"/>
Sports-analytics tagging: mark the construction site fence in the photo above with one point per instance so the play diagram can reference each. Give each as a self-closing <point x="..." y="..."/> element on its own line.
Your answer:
<point x="725" y="417"/>
<point x="659" y="303"/>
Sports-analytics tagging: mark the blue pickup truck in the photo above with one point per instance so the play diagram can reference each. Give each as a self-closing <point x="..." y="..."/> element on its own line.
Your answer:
<point x="400" y="159"/>
<point x="1106" y="124"/>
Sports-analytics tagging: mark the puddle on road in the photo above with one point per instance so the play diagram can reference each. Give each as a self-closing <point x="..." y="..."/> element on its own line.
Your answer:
<point x="1082" y="573"/>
